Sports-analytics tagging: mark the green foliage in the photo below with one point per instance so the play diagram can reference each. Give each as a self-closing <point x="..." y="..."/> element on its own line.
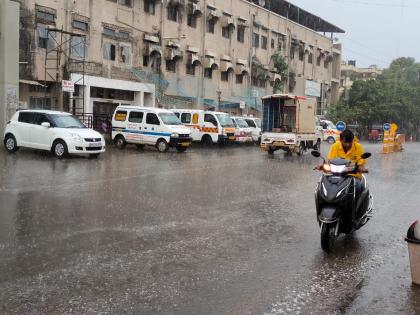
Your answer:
<point x="393" y="97"/>
<point x="280" y="64"/>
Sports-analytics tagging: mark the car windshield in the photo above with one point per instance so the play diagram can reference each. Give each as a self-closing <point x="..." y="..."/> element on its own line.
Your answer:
<point x="241" y="123"/>
<point x="170" y="119"/>
<point x="225" y="120"/>
<point x="66" y="121"/>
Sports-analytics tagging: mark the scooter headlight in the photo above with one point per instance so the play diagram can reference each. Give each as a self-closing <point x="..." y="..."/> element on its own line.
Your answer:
<point x="326" y="168"/>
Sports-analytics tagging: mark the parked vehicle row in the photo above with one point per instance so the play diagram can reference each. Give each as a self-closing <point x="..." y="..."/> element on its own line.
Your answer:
<point x="63" y="134"/>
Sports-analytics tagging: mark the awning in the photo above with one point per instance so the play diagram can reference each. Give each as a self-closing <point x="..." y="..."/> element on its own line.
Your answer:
<point x="29" y="82"/>
<point x="210" y="62"/>
<point x="228" y="21"/>
<point x="225" y="65"/>
<point x="172" y="53"/>
<point x="151" y="38"/>
<point x="213" y="14"/>
<point x="195" y="9"/>
<point x="149" y="48"/>
<point x="241" y="69"/>
<point x="193" y="58"/>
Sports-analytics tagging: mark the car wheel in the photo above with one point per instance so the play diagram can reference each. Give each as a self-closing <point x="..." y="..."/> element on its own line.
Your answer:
<point x="60" y="149"/>
<point x="120" y="142"/>
<point x="206" y="140"/>
<point x="94" y="155"/>
<point x="10" y="143"/>
<point x="162" y="146"/>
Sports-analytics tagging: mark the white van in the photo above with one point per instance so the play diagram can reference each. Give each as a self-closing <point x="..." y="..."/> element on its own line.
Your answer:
<point x="207" y="127"/>
<point x="255" y="125"/>
<point x="149" y="126"/>
<point x="243" y="132"/>
<point x="329" y="131"/>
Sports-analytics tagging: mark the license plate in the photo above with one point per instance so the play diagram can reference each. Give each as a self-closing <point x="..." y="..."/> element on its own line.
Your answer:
<point x="95" y="145"/>
<point x="184" y="144"/>
<point x="231" y="138"/>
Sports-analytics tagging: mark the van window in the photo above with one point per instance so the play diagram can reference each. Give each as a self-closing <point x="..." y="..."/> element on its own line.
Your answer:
<point x="195" y="119"/>
<point x="251" y="123"/>
<point x="186" y="118"/>
<point x="210" y="119"/>
<point x="135" y="117"/>
<point x="177" y="114"/>
<point x="26" y="117"/>
<point x="152" y="119"/>
<point x="120" y="115"/>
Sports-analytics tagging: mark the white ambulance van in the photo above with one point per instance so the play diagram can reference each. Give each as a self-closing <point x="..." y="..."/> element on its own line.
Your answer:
<point x="149" y="126"/>
<point x="206" y="126"/>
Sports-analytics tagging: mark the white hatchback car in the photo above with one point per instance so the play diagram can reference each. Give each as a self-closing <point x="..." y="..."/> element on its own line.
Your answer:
<point x="58" y="132"/>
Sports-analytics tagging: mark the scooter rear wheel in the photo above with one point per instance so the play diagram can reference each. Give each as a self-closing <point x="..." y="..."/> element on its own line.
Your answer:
<point x="328" y="236"/>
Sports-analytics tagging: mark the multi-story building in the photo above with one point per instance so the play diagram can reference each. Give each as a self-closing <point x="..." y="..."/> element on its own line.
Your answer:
<point x="350" y="72"/>
<point x="181" y="53"/>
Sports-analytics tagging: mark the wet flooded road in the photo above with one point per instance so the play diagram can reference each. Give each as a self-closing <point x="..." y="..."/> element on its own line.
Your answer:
<point x="211" y="231"/>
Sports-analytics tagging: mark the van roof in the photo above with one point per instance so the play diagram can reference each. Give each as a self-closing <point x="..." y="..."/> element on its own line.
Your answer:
<point x="150" y="109"/>
<point x="196" y="111"/>
<point x="44" y="111"/>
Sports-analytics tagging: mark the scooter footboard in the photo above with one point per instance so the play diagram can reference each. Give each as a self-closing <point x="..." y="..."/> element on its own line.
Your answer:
<point x="329" y="214"/>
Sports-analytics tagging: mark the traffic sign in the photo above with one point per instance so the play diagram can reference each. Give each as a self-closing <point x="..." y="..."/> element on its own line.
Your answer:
<point x="387" y="127"/>
<point x="341" y="126"/>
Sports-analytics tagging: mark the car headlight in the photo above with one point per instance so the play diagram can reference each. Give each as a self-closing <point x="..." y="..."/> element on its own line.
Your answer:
<point x="76" y="137"/>
<point x="175" y="135"/>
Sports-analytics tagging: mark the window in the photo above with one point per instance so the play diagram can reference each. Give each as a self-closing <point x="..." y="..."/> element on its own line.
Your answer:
<point x="208" y="73"/>
<point x="224" y="75"/>
<point x="195" y="119"/>
<point x="255" y="40"/>
<point x="210" y="25"/>
<point x="279" y="43"/>
<point x="272" y="43"/>
<point x="109" y="31"/>
<point x="45" y="16"/>
<point x="39" y="118"/>
<point x="241" y="34"/>
<point x="292" y="52"/>
<point x="239" y="78"/>
<point x="171" y="65"/>
<point x="262" y="83"/>
<point x="264" y="42"/>
<point x="210" y="119"/>
<point x="177" y="114"/>
<point x="310" y="58"/>
<point x="109" y="51"/>
<point x="318" y="60"/>
<point x="80" y="25"/>
<point x="45" y="37"/>
<point x="120" y="115"/>
<point x="125" y="54"/>
<point x="145" y="61"/>
<point x="25" y="117"/>
<point x="124" y="35"/>
<point x="136" y="117"/>
<point x="326" y="64"/>
<point x="152" y="119"/>
<point x="78" y="47"/>
<point x="192" y="20"/>
<point x="185" y="118"/>
<point x="150" y="6"/>
<point x="250" y="123"/>
<point x="190" y="69"/>
<point x="301" y="54"/>
<point x="226" y="32"/>
<point x="173" y="13"/>
<point x="127" y="3"/>
<point x="39" y="103"/>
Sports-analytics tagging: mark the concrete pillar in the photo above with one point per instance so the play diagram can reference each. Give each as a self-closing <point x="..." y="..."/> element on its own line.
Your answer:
<point x="88" y="105"/>
<point x="9" y="60"/>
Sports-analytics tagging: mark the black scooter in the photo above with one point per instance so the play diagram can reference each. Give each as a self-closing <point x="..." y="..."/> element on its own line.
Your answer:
<point x="340" y="208"/>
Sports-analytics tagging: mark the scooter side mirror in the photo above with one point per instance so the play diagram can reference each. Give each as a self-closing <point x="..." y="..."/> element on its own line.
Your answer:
<point x="316" y="154"/>
<point x="366" y="155"/>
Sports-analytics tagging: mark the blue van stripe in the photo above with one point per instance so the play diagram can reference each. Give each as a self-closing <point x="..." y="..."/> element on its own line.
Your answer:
<point x="152" y="133"/>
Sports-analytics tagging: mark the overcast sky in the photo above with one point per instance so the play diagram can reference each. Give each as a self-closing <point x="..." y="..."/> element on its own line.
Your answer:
<point x="377" y="31"/>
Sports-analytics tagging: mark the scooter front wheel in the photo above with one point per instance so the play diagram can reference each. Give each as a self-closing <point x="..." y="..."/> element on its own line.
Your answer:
<point x="328" y="236"/>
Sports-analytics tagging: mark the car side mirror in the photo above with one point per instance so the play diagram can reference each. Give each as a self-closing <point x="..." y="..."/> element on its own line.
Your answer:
<point x="366" y="155"/>
<point x="46" y="124"/>
<point x="316" y="154"/>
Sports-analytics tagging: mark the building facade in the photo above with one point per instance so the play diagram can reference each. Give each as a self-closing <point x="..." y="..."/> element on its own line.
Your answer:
<point x="174" y="53"/>
<point x="350" y="72"/>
